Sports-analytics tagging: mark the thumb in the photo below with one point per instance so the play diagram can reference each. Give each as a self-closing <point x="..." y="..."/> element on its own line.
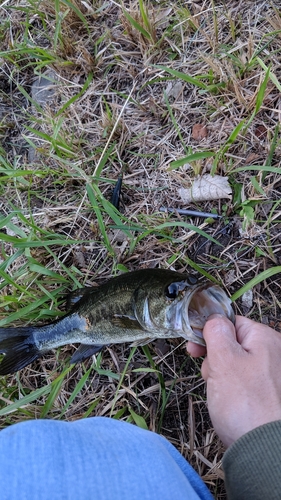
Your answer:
<point x="220" y="337"/>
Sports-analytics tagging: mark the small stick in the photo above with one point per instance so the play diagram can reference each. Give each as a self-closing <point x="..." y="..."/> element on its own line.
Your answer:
<point x="193" y="213"/>
<point x="115" y="198"/>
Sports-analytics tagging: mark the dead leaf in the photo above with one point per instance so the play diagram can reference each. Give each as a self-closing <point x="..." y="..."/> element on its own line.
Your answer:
<point x="162" y="14"/>
<point x="260" y="131"/>
<point x="79" y="259"/>
<point x="199" y="132"/>
<point x="251" y="158"/>
<point x="207" y="187"/>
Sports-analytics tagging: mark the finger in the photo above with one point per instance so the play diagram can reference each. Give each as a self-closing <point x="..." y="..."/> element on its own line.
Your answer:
<point x="220" y="336"/>
<point x="205" y="369"/>
<point x="244" y="326"/>
<point x="249" y="333"/>
<point x="195" y="350"/>
<point x="218" y="324"/>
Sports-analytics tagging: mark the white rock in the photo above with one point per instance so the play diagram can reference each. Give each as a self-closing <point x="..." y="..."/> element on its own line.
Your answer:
<point x="247" y="299"/>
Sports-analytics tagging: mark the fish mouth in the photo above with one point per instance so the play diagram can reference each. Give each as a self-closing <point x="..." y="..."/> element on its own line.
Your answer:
<point x="201" y="303"/>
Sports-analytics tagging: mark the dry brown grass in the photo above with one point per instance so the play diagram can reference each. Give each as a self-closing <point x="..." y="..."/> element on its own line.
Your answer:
<point x="145" y="119"/>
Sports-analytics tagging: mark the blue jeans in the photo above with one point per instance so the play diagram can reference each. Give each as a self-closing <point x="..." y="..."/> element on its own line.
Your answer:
<point x="95" y="458"/>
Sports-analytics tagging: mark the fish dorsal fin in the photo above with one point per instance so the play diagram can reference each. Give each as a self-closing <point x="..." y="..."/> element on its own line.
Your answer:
<point x="73" y="297"/>
<point x="85" y="351"/>
<point x="128" y="322"/>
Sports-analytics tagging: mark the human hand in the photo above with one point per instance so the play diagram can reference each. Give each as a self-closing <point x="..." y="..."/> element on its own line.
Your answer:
<point x="242" y="371"/>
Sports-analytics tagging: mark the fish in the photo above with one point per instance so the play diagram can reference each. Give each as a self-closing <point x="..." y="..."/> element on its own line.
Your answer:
<point x="135" y="307"/>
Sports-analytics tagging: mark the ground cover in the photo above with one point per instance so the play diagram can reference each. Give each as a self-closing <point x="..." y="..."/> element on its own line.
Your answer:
<point x="160" y="93"/>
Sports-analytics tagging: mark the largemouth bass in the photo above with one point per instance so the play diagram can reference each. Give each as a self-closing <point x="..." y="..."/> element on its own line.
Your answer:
<point x="135" y="307"/>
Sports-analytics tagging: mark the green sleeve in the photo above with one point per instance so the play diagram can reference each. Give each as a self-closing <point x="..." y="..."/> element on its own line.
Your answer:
<point x="252" y="465"/>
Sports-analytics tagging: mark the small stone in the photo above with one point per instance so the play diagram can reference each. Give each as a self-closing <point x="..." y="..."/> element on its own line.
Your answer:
<point x="247" y="299"/>
<point x="174" y="89"/>
<point x="44" y="88"/>
<point x="43" y="91"/>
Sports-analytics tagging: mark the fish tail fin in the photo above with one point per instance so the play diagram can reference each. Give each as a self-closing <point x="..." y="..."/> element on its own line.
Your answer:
<point x="19" y="348"/>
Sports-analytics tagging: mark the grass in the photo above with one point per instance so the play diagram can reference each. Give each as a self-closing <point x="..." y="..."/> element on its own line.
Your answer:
<point x="130" y="82"/>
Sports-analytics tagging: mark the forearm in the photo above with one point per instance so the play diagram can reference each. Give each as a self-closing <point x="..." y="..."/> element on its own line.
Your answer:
<point x="252" y="464"/>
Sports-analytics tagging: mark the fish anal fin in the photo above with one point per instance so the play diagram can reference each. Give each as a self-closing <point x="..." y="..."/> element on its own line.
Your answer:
<point x="85" y="351"/>
<point x="141" y="342"/>
<point x="128" y="322"/>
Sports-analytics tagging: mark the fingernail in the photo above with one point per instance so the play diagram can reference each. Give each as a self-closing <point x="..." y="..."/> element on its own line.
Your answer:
<point x="216" y="315"/>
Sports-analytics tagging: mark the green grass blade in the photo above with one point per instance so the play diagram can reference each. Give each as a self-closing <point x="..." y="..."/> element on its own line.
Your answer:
<point x="106" y="373"/>
<point x="104" y="159"/>
<point x="76" y="96"/>
<point x="59" y="19"/>
<point x="132" y="352"/>
<point x="200" y="270"/>
<point x="120" y="413"/>
<point x="144" y="16"/>
<point x="190" y="227"/>
<point x="138" y="419"/>
<point x="193" y="157"/>
<point x="257" y="187"/>
<point x="174" y="123"/>
<point x="10" y="174"/>
<point x="255" y="281"/>
<point x="161" y="380"/>
<point x="261" y="168"/>
<point x="233" y="136"/>
<point x="273" y="145"/>
<point x="113" y="213"/>
<point x="91" y="408"/>
<point x="26" y="400"/>
<point x="79" y="386"/>
<point x="231" y="139"/>
<point x="261" y="92"/>
<point x="184" y="77"/>
<point x="94" y="203"/>
<point x="36" y="268"/>
<point x="272" y="76"/>
<point x="56" y="386"/>
<point x="78" y="13"/>
<point x="7" y="279"/>
<point x="23" y="311"/>
<point x="55" y="390"/>
<point x="136" y="25"/>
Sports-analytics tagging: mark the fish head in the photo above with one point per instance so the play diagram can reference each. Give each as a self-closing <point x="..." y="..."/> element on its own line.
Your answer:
<point x="192" y="312"/>
<point x="180" y="307"/>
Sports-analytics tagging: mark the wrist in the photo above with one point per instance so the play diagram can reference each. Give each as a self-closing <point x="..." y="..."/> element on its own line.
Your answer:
<point x="251" y="464"/>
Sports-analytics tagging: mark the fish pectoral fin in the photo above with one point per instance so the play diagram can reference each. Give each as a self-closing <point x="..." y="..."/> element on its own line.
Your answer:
<point x="128" y="322"/>
<point x="85" y="351"/>
<point x="141" y="342"/>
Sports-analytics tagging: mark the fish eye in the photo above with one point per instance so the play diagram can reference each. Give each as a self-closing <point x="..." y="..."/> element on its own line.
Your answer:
<point x="172" y="291"/>
<point x="192" y="280"/>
